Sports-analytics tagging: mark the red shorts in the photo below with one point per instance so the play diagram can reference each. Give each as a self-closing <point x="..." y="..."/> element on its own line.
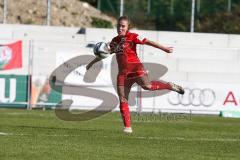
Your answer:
<point x="132" y="71"/>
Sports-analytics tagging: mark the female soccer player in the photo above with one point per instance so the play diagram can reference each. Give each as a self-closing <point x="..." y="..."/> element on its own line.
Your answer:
<point x="130" y="69"/>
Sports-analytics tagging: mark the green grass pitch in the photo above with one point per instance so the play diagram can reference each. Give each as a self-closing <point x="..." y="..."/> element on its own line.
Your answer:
<point x="40" y="135"/>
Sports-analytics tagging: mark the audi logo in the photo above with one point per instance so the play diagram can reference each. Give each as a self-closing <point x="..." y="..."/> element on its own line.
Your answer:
<point x="195" y="97"/>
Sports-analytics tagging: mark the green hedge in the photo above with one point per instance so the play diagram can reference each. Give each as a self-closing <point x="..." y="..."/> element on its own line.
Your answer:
<point x="101" y="23"/>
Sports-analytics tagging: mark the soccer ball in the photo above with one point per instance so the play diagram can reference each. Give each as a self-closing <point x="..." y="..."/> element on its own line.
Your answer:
<point x="101" y="50"/>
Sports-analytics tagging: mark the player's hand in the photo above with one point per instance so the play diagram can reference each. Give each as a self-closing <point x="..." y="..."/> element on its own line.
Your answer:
<point x="168" y="49"/>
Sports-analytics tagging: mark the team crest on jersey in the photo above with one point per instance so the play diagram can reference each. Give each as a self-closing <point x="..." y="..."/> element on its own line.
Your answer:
<point x="121" y="46"/>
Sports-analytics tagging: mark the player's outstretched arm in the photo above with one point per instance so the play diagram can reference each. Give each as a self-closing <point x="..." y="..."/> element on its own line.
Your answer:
<point x="89" y="65"/>
<point x="159" y="46"/>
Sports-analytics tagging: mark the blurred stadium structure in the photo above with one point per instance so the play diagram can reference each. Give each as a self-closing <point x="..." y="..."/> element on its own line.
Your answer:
<point x="168" y="15"/>
<point x="207" y="64"/>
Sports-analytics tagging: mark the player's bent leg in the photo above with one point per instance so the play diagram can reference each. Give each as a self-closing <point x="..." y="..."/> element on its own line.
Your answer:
<point x="144" y="82"/>
<point x="158" y="85"/>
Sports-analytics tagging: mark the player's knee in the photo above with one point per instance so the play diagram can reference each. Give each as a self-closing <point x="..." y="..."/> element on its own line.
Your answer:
<point x="123" y="99"/>
<point x="147" y="87"/>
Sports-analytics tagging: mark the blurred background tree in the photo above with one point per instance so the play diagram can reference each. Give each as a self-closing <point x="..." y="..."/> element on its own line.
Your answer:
<point x="215" y="16"/>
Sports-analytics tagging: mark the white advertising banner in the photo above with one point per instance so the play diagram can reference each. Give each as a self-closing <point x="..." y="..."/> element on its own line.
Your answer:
<point x="198" y="98"/>
<point x="204" y="98"/>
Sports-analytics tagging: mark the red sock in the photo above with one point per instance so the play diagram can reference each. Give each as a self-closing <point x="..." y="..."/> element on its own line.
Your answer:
<point x="124" y="108"/>
<point x="157" y="85"/>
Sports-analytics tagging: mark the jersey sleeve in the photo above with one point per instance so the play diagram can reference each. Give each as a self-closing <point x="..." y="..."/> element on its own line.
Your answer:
<point x="138" y="39"/>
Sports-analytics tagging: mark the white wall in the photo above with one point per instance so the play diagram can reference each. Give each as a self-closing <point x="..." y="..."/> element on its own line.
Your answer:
<point x="194" y="53"/>
<point x="198" y="58"/>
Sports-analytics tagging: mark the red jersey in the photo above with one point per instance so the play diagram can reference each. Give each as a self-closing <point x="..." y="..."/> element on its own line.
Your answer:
<point x="126" y="55"/>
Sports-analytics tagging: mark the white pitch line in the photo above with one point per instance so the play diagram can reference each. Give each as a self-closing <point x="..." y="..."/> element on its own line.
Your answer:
<point x="189" y="139"/>
<point x="11" y="134"/>
<point x="138" y="137"/>
<point x="5" y="134"/>
<point x="182" y="138"/>
<point x="154" y="138"/>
